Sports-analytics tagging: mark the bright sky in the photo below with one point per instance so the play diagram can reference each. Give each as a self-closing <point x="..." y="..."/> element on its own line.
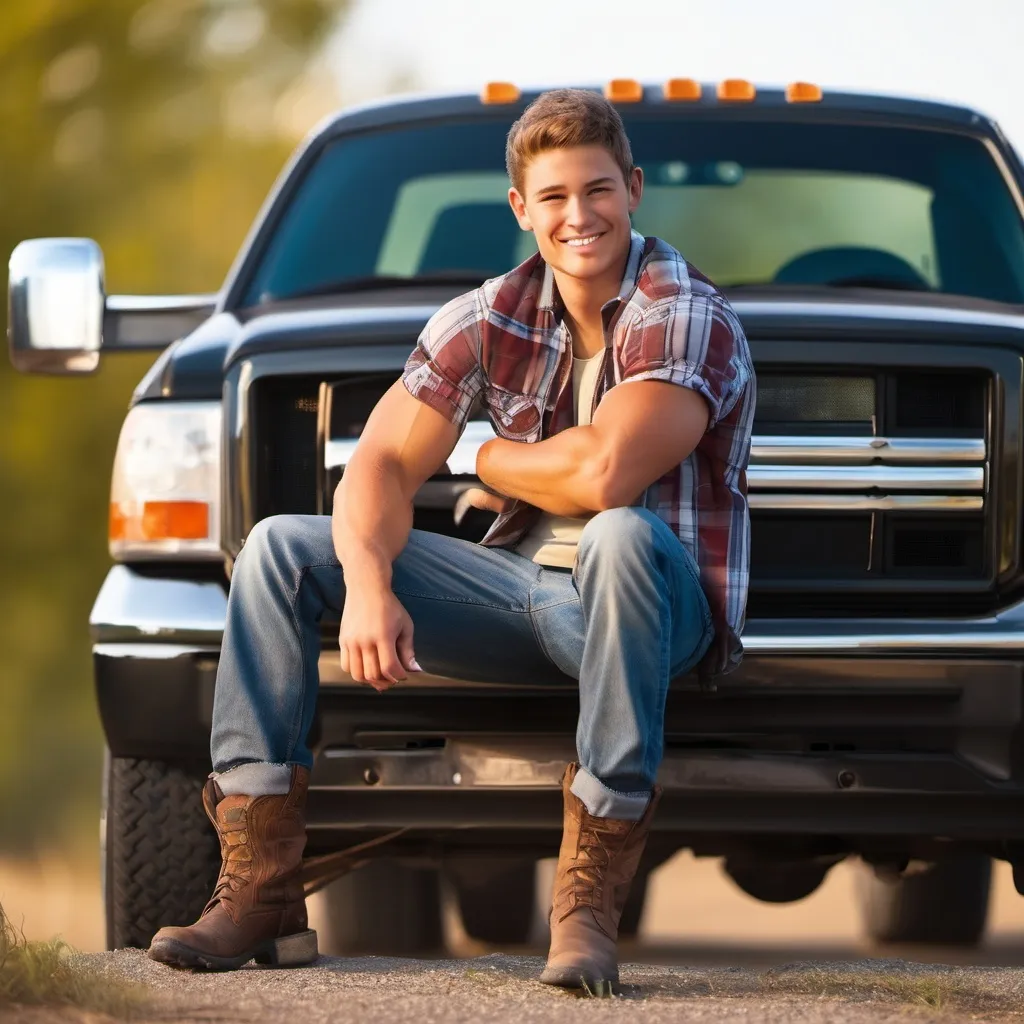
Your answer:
<point x="967" y="52"/>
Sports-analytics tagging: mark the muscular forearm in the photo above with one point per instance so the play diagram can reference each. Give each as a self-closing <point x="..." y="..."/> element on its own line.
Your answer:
<point x="565" y="475"/>
<point x="371" y="520"/>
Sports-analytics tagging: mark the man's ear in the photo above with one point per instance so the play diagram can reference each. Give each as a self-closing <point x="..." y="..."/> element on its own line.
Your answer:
<point x="518" y="204"/>
<point x="636" y="188"/>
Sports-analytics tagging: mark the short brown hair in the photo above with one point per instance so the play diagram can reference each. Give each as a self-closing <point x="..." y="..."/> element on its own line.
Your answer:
<point x="563" y="118"/>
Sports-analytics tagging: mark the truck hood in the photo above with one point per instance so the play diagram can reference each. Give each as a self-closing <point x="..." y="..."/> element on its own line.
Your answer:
<point x="194" y="367"/>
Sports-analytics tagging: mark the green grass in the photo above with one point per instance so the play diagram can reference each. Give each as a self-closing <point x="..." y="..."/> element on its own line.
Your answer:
<point x="927" y="990"/>
<point x="40" y="974"/>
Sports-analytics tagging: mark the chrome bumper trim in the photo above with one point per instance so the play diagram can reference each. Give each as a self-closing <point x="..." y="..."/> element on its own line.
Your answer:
<point x="133" y="607"/>
<point x="527" y="763"/>
<point x="154" y="652"/>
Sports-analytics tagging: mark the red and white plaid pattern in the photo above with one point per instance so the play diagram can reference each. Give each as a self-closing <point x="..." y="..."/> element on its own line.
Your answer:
<point x="506" y="344"/>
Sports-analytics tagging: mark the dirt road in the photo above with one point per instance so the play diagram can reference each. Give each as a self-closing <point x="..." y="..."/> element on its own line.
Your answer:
<point x="502" y="989"/>
<point x="706" y="953"/>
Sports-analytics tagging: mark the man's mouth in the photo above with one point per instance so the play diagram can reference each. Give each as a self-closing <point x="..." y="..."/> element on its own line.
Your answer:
<point x="583" y="242"/>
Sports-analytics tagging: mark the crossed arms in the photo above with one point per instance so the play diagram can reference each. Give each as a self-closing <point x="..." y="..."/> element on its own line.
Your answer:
<point x="640" y="431"/>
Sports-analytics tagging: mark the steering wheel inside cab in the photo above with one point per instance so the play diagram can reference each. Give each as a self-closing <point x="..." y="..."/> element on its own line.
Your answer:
<point x="852" y="267"/>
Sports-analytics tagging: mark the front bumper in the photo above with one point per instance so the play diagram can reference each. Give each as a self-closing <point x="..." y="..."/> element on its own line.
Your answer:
<point x="889" y="729"/>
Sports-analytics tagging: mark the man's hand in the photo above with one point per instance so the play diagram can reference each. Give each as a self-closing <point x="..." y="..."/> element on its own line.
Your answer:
<point x="375" y="639"/>
<point x="482" y="498"/>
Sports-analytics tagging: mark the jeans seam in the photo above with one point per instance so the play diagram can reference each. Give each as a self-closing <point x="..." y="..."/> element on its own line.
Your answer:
<point x="293" y="736"/>
<point x="460" y="600"/>
<point x="533" y="625"/>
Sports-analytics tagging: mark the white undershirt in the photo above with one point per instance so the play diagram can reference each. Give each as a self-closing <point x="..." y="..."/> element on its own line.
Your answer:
<point x="553" y="540"/>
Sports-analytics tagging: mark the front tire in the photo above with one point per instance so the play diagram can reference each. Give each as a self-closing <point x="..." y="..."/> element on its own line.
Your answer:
<point x="945" y="906"/>
<point x="160" y="853"/>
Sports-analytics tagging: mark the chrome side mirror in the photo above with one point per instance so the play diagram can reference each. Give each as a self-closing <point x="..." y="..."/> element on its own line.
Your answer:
<point x="55" y="305"/>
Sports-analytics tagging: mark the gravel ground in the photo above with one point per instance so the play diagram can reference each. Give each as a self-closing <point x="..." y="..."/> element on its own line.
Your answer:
<point x="501" y="989"/>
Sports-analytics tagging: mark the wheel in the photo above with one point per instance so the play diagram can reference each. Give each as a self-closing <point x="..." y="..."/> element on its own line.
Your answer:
<point x="496" y="898"/>
<point x="947" y="905"/>
<point x="776" y="882"/>
<point x="160" y="854"/>
<point x="384" y="907"/>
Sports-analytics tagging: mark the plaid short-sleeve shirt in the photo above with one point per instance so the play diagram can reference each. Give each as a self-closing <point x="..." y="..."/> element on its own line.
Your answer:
<point x="506" y="344"/>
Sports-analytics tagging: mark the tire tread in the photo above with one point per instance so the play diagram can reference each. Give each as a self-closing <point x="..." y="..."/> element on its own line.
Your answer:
<point x="162" y="855"/>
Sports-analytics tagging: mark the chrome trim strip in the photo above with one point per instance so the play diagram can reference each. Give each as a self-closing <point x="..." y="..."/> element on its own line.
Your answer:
<point x="771" y="449"/>
<point x="133" y="607"/>
<point x="885" y="478"/>
<point x="444" y="494"/>
<point x="161" y="303"/>
<point x="765" y="449"/>
<point x="861" y="502"/>
<point x="957" y="637"/>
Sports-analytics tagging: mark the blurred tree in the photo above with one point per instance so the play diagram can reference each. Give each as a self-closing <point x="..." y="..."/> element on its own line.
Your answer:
<point x="157" y="128"/>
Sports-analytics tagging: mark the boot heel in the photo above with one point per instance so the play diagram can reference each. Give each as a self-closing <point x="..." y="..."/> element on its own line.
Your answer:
<point x="290" y="950"/>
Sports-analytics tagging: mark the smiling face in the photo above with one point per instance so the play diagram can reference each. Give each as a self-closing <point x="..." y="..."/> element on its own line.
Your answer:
<point x="577" y="204"/>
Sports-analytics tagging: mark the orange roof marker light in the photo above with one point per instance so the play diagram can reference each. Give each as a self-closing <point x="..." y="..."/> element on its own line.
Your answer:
<point x="737" y="90"/>
<point x="682" y="89"/>
<point x="500" y="92"/>
<point x="624" y="90"/>
<point x="803" y="92"/>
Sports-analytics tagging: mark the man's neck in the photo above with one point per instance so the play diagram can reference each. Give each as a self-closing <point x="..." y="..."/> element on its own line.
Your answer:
<point x="583" y="301"/>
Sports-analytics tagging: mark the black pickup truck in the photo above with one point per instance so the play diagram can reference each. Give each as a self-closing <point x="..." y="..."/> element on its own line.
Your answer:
<point x="874" y="250"/>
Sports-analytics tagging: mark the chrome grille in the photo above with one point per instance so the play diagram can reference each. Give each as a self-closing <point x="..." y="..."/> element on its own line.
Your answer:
<point x="863" y="487"/>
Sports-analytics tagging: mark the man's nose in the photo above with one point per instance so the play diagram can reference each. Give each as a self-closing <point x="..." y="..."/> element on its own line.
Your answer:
<point x="577" y="212"/>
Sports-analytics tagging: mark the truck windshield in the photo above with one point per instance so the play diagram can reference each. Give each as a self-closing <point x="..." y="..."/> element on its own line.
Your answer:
<point x="749" y="203"/>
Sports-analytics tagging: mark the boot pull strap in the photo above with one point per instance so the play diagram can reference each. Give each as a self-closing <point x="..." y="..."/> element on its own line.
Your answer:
<point x="317" y="872"/>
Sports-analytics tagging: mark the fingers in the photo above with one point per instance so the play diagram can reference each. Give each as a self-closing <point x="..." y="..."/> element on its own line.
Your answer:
<point x="391" y="666"/>
<point x="479" y="497"/>
<point x="373" y="665"/>
<point x="372" y="672"/>
<point x="405" y="650"/>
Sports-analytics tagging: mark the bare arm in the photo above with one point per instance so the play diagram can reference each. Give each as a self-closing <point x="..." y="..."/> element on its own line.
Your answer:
<point x="403" y="443"/>
<point x="640" y="431"/>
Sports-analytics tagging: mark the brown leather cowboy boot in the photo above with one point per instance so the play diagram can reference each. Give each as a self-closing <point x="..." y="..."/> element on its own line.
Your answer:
<point x="258" y="910"/>
<point x="596" y="865"/>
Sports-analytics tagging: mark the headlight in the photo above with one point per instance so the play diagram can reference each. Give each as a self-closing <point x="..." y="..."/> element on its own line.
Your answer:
<point x="165" y="496"/>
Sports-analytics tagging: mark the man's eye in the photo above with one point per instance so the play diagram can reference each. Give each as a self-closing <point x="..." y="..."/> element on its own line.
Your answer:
<point x="548" y="199"/>
<point x="600" y="188"/>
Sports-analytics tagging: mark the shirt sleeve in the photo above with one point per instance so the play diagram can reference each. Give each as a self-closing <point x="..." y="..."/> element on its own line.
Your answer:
<point x="690" y="341"/>
<point x="444" y="369"/>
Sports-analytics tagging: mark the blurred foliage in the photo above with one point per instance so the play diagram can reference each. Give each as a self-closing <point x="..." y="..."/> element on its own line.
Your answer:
<point x="156" y="128"/>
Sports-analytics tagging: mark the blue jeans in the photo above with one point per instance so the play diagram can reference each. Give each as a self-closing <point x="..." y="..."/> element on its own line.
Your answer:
<point x="628" y="618"/>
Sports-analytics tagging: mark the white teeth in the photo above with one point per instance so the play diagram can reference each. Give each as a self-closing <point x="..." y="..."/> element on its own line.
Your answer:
<point x="577" y="242"/>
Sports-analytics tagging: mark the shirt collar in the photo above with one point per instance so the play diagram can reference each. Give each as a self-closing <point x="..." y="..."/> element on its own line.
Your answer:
<point x="546" y="300"/>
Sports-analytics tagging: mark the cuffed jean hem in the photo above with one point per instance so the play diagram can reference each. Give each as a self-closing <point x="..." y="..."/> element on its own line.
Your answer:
<point x="603" y="802"/>
<point x="256" y="778"/>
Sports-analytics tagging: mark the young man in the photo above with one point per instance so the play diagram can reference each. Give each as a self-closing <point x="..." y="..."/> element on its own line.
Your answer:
<point x="619" y="382"/>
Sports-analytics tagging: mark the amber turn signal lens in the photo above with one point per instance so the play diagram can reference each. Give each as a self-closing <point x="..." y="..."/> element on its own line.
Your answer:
<point x="682" y="89"/>
<point x="159" y="520"/>
<point x="500" y="92"/>
<point x="803" y="92"/>
<point x="624" y="90"/>
<point x="736" y="90"/>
